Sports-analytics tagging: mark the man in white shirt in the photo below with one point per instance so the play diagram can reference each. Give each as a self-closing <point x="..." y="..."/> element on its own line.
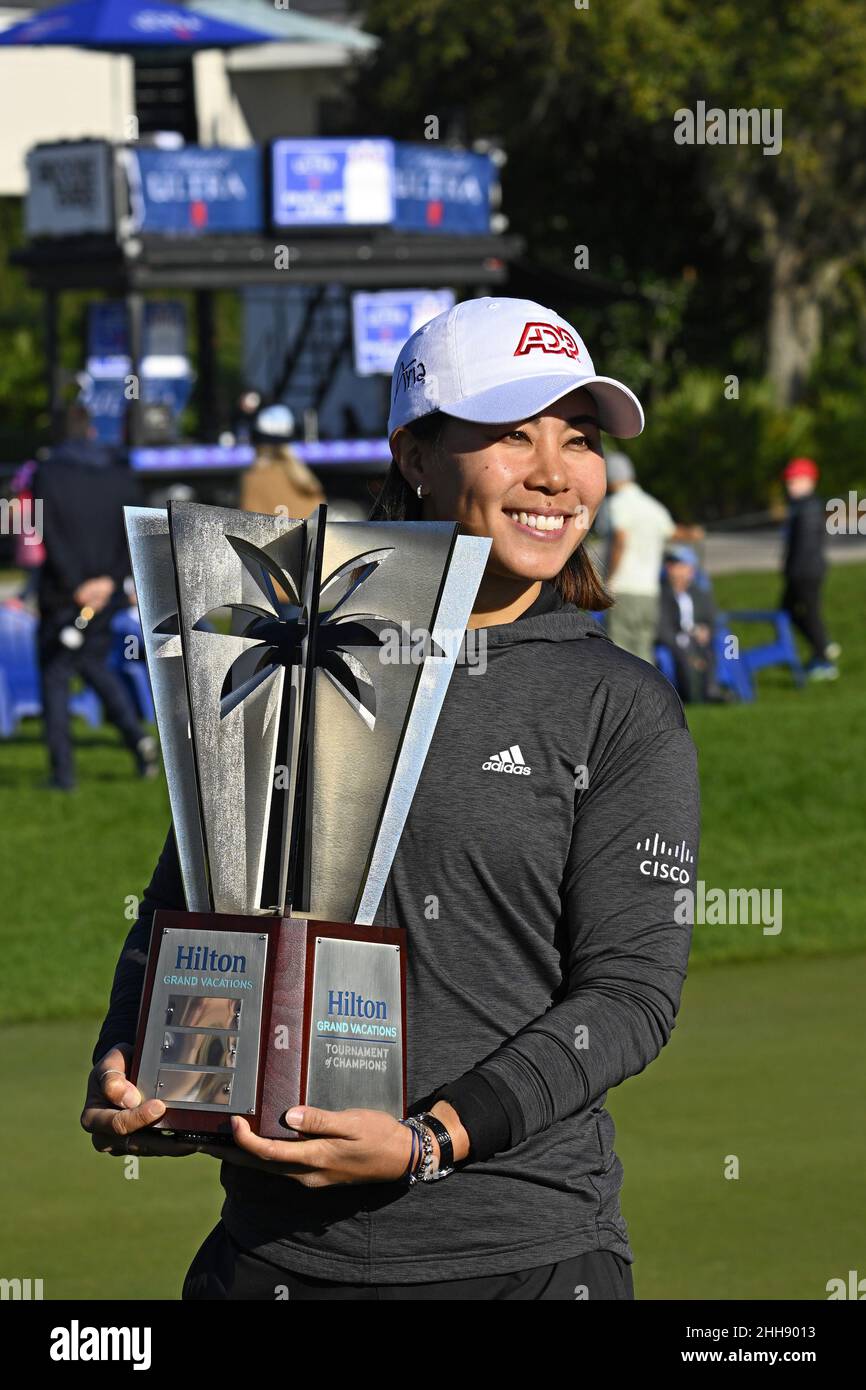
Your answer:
<point x="640" y="528"/>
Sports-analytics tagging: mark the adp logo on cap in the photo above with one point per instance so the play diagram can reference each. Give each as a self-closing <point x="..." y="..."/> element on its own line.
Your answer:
<point x="548" y="337"/>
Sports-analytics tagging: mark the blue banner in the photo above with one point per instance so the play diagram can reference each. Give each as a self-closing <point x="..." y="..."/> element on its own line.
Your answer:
<point x="164" y="329"/>
<point x="442" y="190"/>
<point x="107" y="335"/>
<point x="332" y="183"/>
<point x="166" y="375"/>
<point x="195" y="191"/>
<point x="382" y="322"/>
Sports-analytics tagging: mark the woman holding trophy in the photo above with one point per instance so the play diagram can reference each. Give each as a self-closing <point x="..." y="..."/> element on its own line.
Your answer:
<point x="539" y="877"/>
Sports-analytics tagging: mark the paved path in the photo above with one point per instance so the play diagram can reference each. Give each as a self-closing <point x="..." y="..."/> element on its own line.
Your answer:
<point x="731" y="552"/>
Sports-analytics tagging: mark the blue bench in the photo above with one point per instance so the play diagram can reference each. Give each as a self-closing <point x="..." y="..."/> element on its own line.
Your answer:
<point x="20" y="688"/>
<point x="132" y="670"/>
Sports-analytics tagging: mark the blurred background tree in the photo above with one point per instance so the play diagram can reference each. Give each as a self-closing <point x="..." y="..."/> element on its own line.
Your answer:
<point x="23" y="403"/>
<point x="747" y="264"/>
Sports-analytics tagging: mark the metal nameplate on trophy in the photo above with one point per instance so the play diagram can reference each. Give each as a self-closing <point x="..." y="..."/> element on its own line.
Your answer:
<point x="292" y="750"/>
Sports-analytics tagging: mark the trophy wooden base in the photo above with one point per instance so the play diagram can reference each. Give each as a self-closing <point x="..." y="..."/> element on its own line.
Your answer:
<point x="251" y="1015"/>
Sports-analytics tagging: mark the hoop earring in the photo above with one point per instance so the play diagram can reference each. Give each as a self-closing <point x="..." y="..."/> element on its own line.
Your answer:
<point x="418" y="490"/>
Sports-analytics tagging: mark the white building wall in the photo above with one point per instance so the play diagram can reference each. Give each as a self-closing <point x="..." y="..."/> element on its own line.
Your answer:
<point x="57" y="94"/>
<point x="69" y="94"/>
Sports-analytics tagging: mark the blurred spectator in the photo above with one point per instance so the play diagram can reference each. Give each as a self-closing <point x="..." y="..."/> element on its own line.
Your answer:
<point x="639" y="528"/>
<point x="806" y="565"/>
<point x="687" y="616"/>
<point x="277" y="480"/>
<point x="83" y="489"/>
<point x="247" y="408"/>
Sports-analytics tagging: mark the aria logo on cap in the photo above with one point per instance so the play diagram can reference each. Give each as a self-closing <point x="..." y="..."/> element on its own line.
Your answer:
<point x="549" y="337"/>
<point x="410" y="374"/>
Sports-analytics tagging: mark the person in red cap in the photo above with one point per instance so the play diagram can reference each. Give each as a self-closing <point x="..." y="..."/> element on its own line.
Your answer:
<point x="806" y="565"/>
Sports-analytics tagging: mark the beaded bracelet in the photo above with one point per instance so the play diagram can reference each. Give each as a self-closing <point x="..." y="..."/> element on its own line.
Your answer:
<point x="410" y="1166"/>
<point x="425" y="1139"/>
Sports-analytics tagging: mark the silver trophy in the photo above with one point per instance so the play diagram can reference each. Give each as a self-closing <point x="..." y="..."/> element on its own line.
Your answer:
<point x="295" y="719"/>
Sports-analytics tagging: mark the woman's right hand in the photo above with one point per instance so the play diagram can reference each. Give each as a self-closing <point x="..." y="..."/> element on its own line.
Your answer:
<point x="118" y="1121"/>
<point x="116" y="1117"/>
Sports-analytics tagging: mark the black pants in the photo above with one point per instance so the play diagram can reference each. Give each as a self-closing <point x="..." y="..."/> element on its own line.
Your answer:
<point x="694" y="671"/>
<point x="57" y="665"/>
<point x="802" y="600"/>
<point x="223" y="1270"/>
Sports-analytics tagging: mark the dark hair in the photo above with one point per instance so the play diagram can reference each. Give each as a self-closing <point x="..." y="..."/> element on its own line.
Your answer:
<point x="577" y="581"/>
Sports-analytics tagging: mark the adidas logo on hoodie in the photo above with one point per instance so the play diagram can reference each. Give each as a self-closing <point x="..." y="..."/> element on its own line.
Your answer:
<point x="509" y="760"/>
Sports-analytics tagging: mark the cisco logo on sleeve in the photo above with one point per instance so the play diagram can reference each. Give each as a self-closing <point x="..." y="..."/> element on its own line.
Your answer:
<point x="664" y="860"/>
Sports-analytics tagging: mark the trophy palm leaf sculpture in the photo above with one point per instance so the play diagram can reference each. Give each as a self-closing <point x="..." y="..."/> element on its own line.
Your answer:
<point x="292" y="750"/>
<point x="278" y="634"/>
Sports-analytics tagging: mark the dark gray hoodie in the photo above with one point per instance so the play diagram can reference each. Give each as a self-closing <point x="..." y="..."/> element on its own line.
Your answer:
<point x="545" y="962"/>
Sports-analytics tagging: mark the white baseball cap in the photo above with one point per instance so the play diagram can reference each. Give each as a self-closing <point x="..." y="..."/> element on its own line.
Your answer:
<point x="274" y="422"/>
<point x="492" y="360"/>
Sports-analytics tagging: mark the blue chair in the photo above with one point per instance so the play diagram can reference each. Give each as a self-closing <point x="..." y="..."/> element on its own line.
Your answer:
<point x="19" y="674"/>
<point x="132" y="670"/>
<point x="664" y="659"/>
<point x="20" y="691"/>
<point x="728" y="673"/>
<point x="782" y="651"/>
<point x="729" y="670"/>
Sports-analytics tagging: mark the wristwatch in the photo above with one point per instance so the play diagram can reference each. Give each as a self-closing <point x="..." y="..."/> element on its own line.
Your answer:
<point x="446" y="1147"/>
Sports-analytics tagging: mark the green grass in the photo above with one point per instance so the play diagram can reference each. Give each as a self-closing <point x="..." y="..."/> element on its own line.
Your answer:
<point x="71" y="865"/>
<point x="83" y="1222"/>
<point x="782" y="788"/>
<point x="764" y="1066"/>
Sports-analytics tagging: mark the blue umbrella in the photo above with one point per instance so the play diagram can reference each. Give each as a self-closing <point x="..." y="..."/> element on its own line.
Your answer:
<point x="118" y="26"/>
<point x="286" y="25"/>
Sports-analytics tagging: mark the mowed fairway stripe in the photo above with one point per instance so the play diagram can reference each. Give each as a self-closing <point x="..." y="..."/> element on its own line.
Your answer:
<point x="765" y="1064"/>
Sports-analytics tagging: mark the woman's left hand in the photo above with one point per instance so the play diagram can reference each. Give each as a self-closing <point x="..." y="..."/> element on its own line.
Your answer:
<point x="340" y="1146"/>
